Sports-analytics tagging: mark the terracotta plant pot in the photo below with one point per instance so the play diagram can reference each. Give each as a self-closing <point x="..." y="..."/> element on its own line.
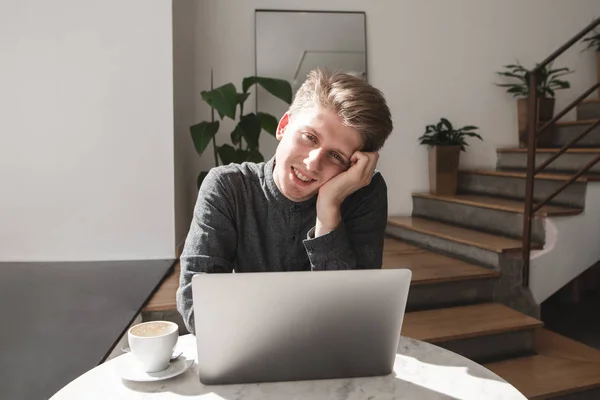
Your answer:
<point x="443" y="169"/>
<point x="545" y="113"/>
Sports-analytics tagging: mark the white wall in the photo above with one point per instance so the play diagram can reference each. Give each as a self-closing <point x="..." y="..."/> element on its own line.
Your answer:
<point x="191" y="75"/>
<point x="571" y="248"/>
<point x="431" y="58"/>
<point x="86" y="133"/>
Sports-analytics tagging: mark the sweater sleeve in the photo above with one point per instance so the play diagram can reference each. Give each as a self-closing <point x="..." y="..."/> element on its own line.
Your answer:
<point x="357" y="243"/>
<point x="211" y="243"/>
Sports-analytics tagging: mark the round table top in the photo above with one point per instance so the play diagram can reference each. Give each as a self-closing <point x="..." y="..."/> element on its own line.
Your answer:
<point x="421" y="371"/>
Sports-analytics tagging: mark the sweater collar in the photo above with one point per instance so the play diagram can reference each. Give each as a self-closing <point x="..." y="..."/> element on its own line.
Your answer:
<point x="274" y="191"/>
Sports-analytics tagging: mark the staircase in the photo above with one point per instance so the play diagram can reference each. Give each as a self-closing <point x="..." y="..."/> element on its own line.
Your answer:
<point x="465" y="253"/>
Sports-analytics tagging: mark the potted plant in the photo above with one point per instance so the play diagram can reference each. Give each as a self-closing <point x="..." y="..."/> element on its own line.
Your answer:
<point x="593" y="42"/>
<point x="245" y="136"/>
<point x="548" y="83"/>
<point x="445" y="144"/>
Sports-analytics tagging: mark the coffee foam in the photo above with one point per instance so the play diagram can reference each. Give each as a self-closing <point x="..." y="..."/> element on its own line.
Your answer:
<point x="151" y="329"/>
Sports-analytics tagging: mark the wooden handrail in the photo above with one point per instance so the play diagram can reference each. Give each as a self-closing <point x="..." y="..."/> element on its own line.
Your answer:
<point x="533" y="133"/>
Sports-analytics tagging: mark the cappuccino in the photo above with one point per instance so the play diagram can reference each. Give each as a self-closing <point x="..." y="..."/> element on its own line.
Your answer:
<point x="151" y="329"/>
<point x="152" y="344"/>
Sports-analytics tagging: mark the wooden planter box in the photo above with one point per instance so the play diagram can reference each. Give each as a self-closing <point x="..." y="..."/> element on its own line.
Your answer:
<point x="545" y="113"/>
<point x="443" y="169"/>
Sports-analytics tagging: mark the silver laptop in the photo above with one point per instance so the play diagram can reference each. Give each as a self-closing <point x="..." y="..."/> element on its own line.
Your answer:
<point x="288" y="326"/>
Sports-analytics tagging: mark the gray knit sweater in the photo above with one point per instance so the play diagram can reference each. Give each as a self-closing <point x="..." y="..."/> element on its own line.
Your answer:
<point x="243" y="222"/>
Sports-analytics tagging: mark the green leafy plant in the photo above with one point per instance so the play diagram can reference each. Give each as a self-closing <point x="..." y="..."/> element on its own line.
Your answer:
<point x="548" y="81"/>
<point x="593" y="41"/>
<point x="245" y="136"/>
<point x="444" y="134"/>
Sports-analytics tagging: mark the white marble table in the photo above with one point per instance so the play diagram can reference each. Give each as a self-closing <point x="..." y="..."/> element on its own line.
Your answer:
<point x="422" y="371"/>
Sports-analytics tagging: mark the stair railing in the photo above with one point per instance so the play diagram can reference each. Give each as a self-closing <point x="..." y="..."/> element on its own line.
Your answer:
<point x="533" y="134"/>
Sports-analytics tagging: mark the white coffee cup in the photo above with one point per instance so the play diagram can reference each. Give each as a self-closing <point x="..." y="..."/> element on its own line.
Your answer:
<point x="152" y="344"/>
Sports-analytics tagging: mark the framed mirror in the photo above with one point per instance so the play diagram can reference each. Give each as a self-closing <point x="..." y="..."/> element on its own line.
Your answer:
<point x="289" y="44"/>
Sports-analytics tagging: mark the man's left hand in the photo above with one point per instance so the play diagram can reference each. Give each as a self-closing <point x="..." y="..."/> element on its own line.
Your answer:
<point x="335" y="191"/>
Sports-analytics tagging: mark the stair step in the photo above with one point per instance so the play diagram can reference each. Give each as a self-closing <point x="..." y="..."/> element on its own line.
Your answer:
<point x="563" y="132"/>
<point x="395" y="246"/>
<point x="164" y="297"/>
<point x="486" y="213"/>
<point x="576" y="150"/>
<point x="542" y="377"/>
<point x="486" y="241"/>
<point x="481" y="332"/>
<point x="501" y="204"/>
<point x="575" y="123"/>
<point x="570" y="162"/>
<point x="588" y="109"/>
<point x="523" y="175"/>
<point x="437" y="280"/>
<point x="561" y="367"/>
<point x="445" y="324"/>
<point x="512" y="184"/>
<point x="552" y="344"/>
<point x="428" y="267"/>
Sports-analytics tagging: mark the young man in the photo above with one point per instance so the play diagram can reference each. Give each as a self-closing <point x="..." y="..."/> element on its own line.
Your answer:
<point x="318" y="204"/>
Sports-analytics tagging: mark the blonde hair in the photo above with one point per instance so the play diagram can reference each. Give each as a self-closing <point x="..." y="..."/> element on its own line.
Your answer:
<point x="360" y="105"/>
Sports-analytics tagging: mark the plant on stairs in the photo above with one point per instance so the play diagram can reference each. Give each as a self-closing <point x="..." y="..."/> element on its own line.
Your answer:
<point x="548" y="84"/>
<point x="245" y="136"/>
<point x="446" y="143"/>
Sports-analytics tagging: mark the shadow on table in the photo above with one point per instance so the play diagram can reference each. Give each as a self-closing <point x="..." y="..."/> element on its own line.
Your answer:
<point x="368" y="387"/>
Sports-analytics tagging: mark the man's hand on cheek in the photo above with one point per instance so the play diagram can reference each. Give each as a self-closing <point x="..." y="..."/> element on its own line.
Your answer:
<point x="335" y="191"/>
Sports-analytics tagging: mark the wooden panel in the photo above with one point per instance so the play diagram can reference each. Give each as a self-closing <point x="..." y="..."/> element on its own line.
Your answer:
<point x="542" y="376"/>
<point x="430" y="268"/>
<point x="498" y="244"/>
<point x="497" y="203"/>
<point x="164" y="298"/>
<point x="463" y="322"/>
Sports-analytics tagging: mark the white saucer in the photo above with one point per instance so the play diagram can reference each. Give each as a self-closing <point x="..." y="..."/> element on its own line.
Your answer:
<point x="129" y="369"/>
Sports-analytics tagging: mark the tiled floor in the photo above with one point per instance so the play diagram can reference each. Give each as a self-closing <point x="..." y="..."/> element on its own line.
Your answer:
<point x="580" y="321"/>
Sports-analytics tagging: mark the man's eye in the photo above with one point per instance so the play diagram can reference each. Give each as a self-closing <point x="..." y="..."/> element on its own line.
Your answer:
<point x="310" y="137"/>
<point x="338" y="158"/>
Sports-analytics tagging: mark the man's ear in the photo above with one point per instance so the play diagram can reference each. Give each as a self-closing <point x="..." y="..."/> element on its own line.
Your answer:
<point x="283" y="123"/>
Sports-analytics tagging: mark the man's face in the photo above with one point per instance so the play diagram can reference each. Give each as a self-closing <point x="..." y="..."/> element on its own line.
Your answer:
<point x="315" y="146"/>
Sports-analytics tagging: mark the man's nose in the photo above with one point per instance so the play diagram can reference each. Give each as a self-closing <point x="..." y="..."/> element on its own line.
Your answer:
<point x="314" y="160"/>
